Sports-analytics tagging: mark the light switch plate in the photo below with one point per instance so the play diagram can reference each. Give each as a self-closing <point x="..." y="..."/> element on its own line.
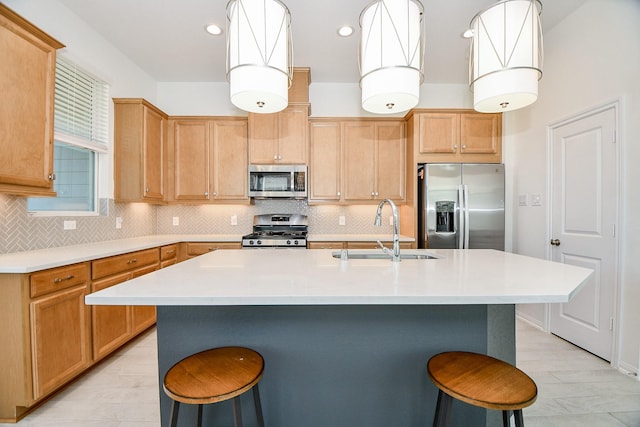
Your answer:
<point x="176" y="220"/>
<point x="536" y="200"/>
<point x="523" y="200"/>
<point x="342" y="220"/>
<point x="234" y="219"/>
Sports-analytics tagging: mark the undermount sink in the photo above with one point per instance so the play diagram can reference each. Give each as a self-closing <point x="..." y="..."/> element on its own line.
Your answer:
<point x="374" y="254"/>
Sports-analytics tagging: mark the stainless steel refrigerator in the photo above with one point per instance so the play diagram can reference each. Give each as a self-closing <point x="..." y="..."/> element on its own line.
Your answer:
<point x="461" y="206"/>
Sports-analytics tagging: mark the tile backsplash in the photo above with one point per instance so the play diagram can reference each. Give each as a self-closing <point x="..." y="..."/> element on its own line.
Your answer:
<point x="20" y="231"/>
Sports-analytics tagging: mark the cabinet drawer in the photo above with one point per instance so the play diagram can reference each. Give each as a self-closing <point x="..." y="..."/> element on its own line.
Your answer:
<point x="168" y="252"/>
<point x="125" y="262"/>
<point x="199" y="248"/>
<point x="56" y="279"/>
<point x="326" y="245"/>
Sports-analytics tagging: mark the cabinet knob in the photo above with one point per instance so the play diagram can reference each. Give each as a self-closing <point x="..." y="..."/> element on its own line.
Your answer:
<point x="206" y="193"/>
<point x="338" y="194"/>
<point x="215" y="194"/>
<point x="146" y="190"/>
<point x="464" y="146"/>
<point x="52" y="177"/>
<point x="555" y="242"/>
<point x="455" y="146"/>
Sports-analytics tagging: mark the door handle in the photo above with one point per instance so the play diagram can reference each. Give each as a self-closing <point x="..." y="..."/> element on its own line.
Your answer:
<point x="555" y="242"/>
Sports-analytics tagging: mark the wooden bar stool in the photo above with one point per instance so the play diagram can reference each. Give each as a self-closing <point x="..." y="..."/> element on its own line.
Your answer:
<point x="214" y="376"/>
<point x="479" y="380"/>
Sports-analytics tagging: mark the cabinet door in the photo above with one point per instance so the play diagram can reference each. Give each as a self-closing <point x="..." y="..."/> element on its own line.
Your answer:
<point x="293" y="123"/>
<point x="26" y="112"/>
<point x="390" y="161"/>
<point x="230" y="160"/>
<point x="324" y="166"/>
<point x="111" y="324"/>
<point x="142" y="316"/>
<point x="439" y="133"/>
<point x="191" y="160"/>
<point x="263" y="138"/>
<point x="359" y="158"/>
<point x="480" y="133"/>
<point x="60" y="338"/>
<point x="153" y="157"/>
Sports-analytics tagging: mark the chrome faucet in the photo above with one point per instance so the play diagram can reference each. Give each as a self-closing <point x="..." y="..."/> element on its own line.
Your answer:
<point x="395" y="254"/>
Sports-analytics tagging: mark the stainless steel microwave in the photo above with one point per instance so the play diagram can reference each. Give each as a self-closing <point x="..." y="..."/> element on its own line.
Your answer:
<point x="278" y="181"/>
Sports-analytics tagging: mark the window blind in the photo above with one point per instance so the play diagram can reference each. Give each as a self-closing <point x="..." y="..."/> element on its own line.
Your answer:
<point x="81" y="107"/>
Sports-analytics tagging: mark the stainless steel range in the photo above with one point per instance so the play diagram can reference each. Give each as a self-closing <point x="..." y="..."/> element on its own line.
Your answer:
<point x="277" y="231"/>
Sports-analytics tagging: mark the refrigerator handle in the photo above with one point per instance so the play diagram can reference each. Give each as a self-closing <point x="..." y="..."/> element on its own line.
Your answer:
<point x="466" y="216"/>
<point x="461" y="215"/>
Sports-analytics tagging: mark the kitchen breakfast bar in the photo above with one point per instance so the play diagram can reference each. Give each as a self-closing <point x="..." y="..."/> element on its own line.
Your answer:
<point x="345" y="342"/>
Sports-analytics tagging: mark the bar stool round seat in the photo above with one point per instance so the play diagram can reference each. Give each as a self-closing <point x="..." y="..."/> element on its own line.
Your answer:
<point x="215" y="375"/>
<point x="480" y="380"/>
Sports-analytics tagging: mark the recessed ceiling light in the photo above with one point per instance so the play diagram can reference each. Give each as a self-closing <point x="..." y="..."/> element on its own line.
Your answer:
<point x="213" y="29"/>
<point x="467" y="33"/>
<point x="345" y="31"/>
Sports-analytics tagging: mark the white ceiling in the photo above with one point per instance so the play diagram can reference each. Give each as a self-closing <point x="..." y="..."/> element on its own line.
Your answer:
<point x="166" y="38"/>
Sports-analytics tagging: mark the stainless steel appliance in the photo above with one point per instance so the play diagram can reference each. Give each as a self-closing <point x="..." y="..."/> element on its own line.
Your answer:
<point x="461" y="206"/>
<point x="277" y="231"/>
<point x="278" y="181"/>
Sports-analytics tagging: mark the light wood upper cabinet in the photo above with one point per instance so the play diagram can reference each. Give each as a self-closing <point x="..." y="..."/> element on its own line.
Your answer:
<point x="325" y="154"/>
<point x="230" y="147"/>
<point x="191" y="159"/>
<point x="456" y="136"/>
<point x="209" y="159"/>
<point x="139" y="143"/>
<point x="27" y="83"/>
<point x="374" y="157"/>
<point x="279" y="137"/>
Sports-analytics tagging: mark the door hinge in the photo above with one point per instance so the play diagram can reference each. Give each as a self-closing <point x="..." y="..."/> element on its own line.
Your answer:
<point x="611" y="323"/>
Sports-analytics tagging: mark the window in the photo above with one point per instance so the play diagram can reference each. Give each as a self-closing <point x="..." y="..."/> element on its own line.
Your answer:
<point x="80" y="135"/>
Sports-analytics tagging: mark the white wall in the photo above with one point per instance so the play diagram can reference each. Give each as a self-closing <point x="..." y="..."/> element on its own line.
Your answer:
<point x="327" y="99"/>
<point x="591" y="58"/>
<point x="89" y="50"/>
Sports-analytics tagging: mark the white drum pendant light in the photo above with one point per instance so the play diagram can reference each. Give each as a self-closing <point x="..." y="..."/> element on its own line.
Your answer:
<point x="259" y="55"/>
<point x="390" y="55"/>
<point x="506" y="56"/>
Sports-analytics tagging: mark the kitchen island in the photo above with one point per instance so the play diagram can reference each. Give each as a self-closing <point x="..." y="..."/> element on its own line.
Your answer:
<point x="345" y="342"/>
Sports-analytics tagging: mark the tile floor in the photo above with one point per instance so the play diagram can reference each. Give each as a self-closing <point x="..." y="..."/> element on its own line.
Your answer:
<point x="574" y="388"/>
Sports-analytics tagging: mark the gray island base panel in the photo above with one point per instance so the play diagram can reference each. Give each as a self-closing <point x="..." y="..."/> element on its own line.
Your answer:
<point x="338" y="365"/>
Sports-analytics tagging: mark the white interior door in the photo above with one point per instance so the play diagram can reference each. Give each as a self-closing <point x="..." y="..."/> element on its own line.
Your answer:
<point x="584" y="214"/>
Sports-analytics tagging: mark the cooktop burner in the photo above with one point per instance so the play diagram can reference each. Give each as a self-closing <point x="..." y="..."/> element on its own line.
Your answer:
<point x="277" y="231"/>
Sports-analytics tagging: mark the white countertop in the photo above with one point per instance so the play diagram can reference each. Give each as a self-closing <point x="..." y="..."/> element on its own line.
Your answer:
<point x="29" y="261"/>
<point x="355" y="238"/>
<point x="314" y="277"/>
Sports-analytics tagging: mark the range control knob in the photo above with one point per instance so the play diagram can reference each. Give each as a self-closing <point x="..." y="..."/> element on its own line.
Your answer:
<point x="259" y="242"/>
<point x="288" y="242"/>
<point x="295" y="242"/>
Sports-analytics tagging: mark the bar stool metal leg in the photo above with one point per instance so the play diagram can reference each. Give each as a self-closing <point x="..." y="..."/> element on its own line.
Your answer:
<point x="258" y="405"/>
<point x="199" y="421"/>
<point x="505" y="418"/>
<point x="237" y="412"/>
<point x="517" y="414"/>
<point x="442" y="417"/>
<point x="175" y="408"/>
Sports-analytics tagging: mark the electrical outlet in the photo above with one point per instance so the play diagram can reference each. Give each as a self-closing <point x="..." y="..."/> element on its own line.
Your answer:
<point x="69" y="225"/>
<point x="536" y="200"/>
<point x="118" y="222"/>
<point x="391" y="220"/>
<point x="342" y="220"/>
<point x="176" y="220"/>
<point x="234" y="219"/>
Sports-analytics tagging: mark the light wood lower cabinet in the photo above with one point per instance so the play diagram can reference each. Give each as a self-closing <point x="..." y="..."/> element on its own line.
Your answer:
<point x="112" y="326"/>
<point x="59" y="323"/>
<point x="193" y="249"/>
<point x="352" y="245"/>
